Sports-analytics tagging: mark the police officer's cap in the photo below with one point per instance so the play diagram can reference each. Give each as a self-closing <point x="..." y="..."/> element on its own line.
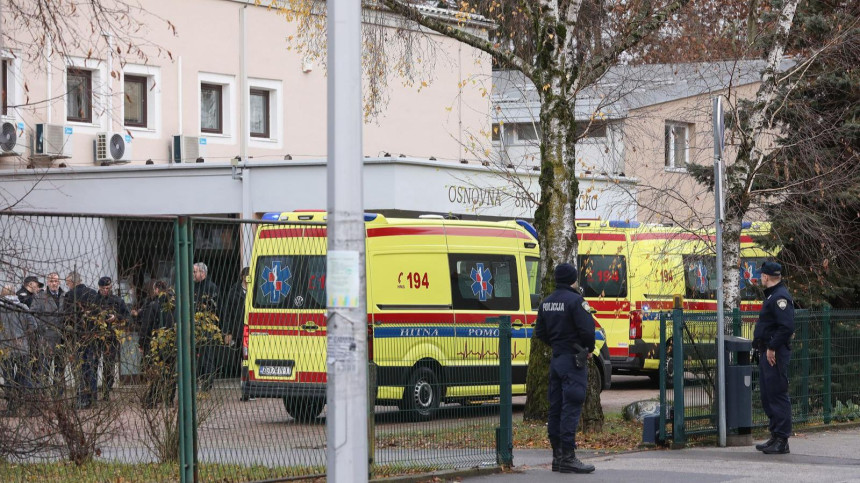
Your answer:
<point x="771" y="268"/>
<point x="565" y="273"/>
<point x="31" y="278"/>
<point x="105" y="281"/>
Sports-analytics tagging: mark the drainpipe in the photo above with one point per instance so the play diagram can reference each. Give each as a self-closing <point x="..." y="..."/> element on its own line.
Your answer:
<point x="109" y="103"/>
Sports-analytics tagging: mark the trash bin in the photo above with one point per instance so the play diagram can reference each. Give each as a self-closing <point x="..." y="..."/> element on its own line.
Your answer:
<point x="738" y="372"/>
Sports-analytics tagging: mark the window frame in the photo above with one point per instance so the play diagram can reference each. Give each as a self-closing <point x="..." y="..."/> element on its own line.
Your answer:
<point x="670" y="155"/>
<point x="80" y="72"/>
<point x="267" y="113"/>
<point x="143" y="81"/>
<point x="219" y="88"/>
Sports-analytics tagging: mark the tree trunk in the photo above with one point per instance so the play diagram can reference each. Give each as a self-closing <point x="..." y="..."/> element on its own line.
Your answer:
<point x="592" y="411"/>
<point x="554" y="218"/>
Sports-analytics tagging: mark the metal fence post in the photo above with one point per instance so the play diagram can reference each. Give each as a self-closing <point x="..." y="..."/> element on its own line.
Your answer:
<point x="504" y="434"/>
<point x="804" y="365"/>
<point x="662" y="372"/>
<point x="826" y="356"/>
<point x="185" y="355"/>
<point x="736" y="322"/>
<point x="679" y="439"/>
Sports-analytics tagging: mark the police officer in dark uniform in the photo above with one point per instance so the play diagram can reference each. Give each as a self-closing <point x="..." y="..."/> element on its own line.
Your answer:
<point x="115" y="314"/>
<point x="772" y="338"/>
<point x="565" y="323"/>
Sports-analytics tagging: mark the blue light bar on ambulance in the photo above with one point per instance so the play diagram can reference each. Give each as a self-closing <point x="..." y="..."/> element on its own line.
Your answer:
<point x="529" y="228"/>
<point x="370" y="216"/>
<point x="746" y="225"/>
<point x="273" y="216"/>
<point x="623" y="224"/>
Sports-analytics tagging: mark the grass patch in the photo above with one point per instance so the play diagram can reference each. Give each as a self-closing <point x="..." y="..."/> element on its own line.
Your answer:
<point x="144" y="472"/>
<point x="617" y="435"/>
<point x="100" y="472"/>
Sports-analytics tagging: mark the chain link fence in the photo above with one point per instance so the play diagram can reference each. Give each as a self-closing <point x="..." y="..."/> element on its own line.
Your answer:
<point x="95" y="386"/>
<point x="824" y="373"/>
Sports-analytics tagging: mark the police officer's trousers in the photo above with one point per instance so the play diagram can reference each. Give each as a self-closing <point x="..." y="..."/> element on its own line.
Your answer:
<point x="774" y="392"/>
<point x="567" y="385"/>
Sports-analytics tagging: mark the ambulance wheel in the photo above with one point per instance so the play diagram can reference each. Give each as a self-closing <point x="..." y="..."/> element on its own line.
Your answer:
<point x="423" y="394"/>
<point x="304" y="409"/>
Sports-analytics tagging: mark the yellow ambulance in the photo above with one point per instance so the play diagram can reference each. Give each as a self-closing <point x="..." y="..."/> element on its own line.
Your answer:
<point x="432" y="285"/>
<point x="630" y="272"/>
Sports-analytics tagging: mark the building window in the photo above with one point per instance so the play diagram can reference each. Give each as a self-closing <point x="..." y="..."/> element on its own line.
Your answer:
<point x="590" y="130"/>
<point x="527" y="132"/>
<point x="5" y="91"/>
<point x="211" y="109"/>
<point x="677" y="145"/>
<point x="135" y="101"/>
<point x="79" y="95"/>
<point x="510" y="133"/>
<point x="260" y="113"/>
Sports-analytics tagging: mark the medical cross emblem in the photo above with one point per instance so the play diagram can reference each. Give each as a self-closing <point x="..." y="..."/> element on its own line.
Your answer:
<point x="275" y="284"/>
<point x="750" y="275"/>
<point x="481" y="286"/>
<point x="701" y="277"/>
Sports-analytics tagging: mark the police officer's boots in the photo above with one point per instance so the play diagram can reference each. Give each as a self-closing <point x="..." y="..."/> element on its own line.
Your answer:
<point x="779" y="446"/>
<point x="570" y="463"/>
<point x="762" y="446"/>
<point x="556" y="452"/>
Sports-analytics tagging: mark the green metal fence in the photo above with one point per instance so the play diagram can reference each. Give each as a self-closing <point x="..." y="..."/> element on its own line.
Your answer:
<point x="169" y="343"/>
<point x="824" y="372"/>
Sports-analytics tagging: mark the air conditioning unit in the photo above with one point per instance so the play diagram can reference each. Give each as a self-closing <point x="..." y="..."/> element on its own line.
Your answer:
<point x="111" y="147"/>
<point x="12" y="139"/>
<point x="52" y="140"/>
<point x="186" y="149"/>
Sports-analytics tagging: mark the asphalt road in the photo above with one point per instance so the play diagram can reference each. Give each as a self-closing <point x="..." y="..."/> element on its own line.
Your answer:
<point x="825" y="456"/>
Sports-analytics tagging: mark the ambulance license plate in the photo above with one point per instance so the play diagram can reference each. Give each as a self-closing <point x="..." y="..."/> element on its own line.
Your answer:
<point x="283" y="371"/>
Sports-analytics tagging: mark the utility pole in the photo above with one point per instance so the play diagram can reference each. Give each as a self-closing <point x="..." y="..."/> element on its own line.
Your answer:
<point x="346" y="361"/>
<point x="719" y="216"/>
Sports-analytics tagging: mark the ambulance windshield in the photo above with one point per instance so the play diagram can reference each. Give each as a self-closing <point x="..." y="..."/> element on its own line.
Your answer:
<point x="290" y="282"/>
<point x="603" y="275"/>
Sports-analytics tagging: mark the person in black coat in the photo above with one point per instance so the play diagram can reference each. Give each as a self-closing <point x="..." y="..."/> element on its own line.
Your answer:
<point x="159" y="368"/>
<point x="232" y="321"/>
<point x="80" y="338"/>
<point x="29" y="288"/>
<point x="205" y="300"/>
<point x="564" y="322"/>
<point x="111" y="314"/>
<point x="772" y="339"/>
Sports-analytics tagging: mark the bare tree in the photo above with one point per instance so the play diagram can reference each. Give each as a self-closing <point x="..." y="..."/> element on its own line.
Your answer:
<point x="562" y="48"/>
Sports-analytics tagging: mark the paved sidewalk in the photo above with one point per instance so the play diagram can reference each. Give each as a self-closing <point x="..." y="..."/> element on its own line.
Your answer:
<point x="826" y="456"/>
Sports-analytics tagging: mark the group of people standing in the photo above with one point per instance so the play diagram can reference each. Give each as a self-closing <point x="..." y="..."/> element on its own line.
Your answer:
<point x="44" y="329"/>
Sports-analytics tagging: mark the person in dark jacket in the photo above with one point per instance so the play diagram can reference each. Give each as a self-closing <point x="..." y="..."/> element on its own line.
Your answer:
<point x="232" y="320"/>
<point x="565" y="323"/>
<point x="111" y="314"/>
<point x="80" y="337"/>
<point x="205" y="300"/>
<point x="205" y="291"/>
<point x="157" y="314"/>
<point x="29" y="288"/>
<point x="17" y="329"/>
<point x="48" y="308"/>
<point x="772" y="338"/>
